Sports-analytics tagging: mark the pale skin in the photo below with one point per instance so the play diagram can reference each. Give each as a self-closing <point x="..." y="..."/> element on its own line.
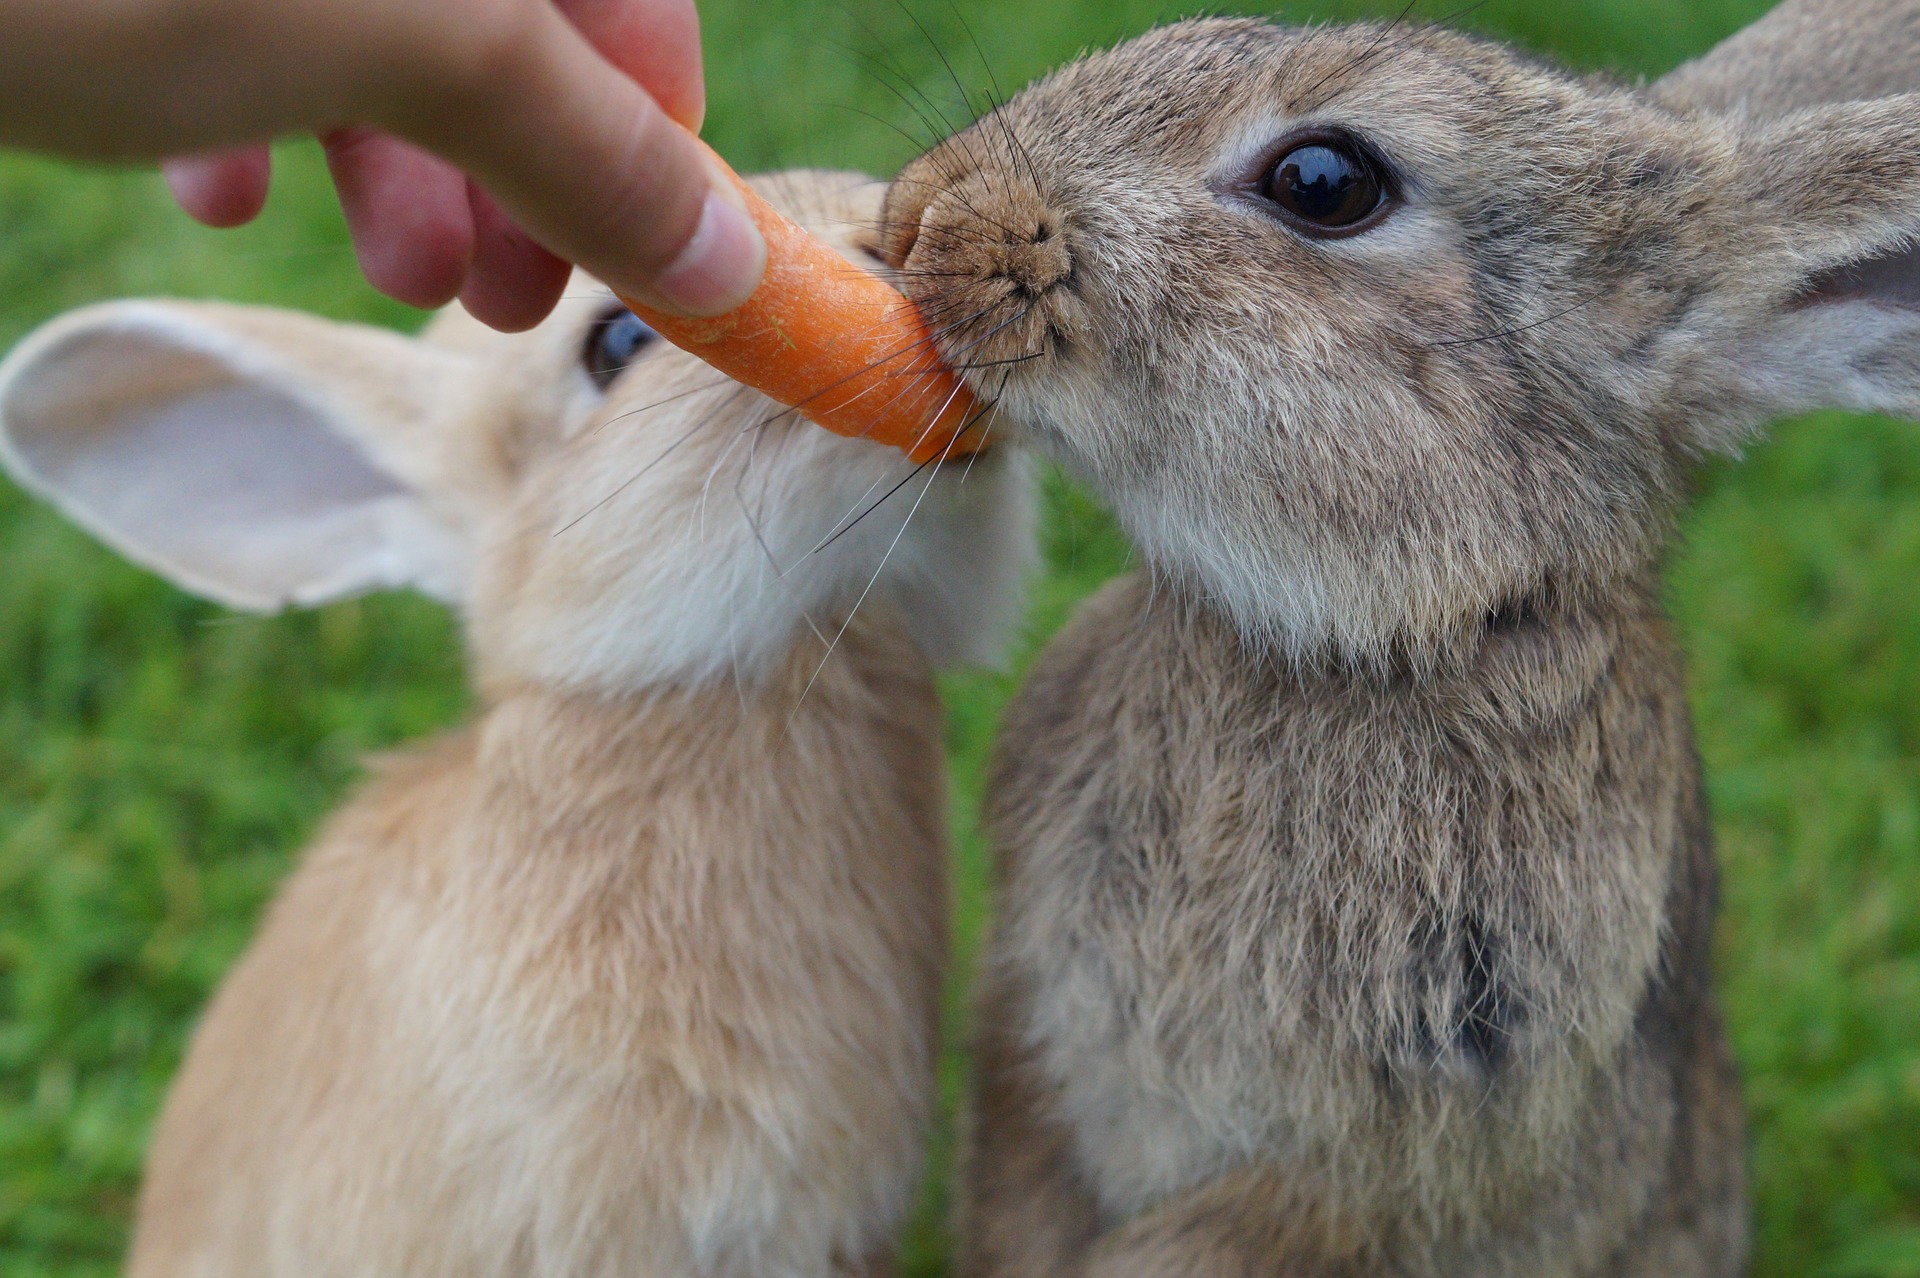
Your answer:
<point x="478" y="146"/>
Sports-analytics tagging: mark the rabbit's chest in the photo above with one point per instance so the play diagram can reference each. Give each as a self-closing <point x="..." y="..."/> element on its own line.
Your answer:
<point x="1343" y="940"/>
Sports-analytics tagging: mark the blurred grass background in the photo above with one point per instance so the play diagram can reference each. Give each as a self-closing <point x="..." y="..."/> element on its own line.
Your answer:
<point x="160" y="762"/>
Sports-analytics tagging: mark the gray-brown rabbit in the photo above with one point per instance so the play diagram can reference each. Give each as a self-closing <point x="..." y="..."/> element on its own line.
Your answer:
<point x="1355" y="888"/>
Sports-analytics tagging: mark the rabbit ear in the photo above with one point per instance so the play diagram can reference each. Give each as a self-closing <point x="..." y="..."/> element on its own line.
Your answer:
<point x="1803" y="53"/>
<point x="1819" y="301"/>
<point x="257" y="458"/>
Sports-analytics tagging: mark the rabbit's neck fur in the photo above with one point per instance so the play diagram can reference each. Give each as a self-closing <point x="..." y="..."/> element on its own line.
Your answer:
<point x="693" y="735"/>
<point x="1394" y="934"/>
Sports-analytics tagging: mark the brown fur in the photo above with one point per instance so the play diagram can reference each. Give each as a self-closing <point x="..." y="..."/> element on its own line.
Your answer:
<point x="1355" y="888"/>
<point x="1401" y="932"/>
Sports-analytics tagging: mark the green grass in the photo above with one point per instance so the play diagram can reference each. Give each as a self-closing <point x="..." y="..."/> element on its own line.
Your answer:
<point x="159" y="762"/>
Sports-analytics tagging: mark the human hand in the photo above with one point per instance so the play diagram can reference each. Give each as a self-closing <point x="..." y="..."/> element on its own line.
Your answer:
<point x="562" y="111"/>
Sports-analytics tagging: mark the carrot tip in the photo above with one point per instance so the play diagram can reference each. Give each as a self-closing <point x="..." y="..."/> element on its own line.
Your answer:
<point x="837" y="344"/>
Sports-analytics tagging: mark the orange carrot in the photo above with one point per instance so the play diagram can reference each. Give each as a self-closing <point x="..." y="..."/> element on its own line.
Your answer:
<point x="837" y="343"/>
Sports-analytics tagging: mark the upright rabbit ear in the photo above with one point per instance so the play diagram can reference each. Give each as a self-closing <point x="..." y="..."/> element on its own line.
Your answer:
<point x="258" y="458"/>
<point x="1816" y="300"/>
<point x="1804" y="53"/>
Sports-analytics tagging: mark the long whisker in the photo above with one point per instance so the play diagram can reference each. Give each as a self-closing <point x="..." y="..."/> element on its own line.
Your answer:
<point x="759" y="535"/>
<point x="977" y="365"/>
<point x="1377" y="50"/>
<point x="902" y="351"/>
<point x="986" y="432"/>
<point x="918" y="144"/>
<point x="848" y="519"/>
<point x="668" y="451"/>
<point x="949" y="129"/>
<point x="957" y="135"/>
<point x="998" y="98"/>
<point x="834" y="534"/>
<point x="1359" y="60"/>
<point x="691" y="391"/>
<point x="881" y="73"/>
<point x="952" y="74"/>
<point x="1517" y="329"/>
<point x="874" y="580"/>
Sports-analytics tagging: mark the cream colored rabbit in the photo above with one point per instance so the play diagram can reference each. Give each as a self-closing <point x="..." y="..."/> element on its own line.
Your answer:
<point x="1355" y="887"/>
<point x="636" y="975"/>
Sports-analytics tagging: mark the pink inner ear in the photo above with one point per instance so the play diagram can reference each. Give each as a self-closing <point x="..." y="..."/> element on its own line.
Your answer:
<point x="1892" y="279"/>
<point x="232" y="483"/>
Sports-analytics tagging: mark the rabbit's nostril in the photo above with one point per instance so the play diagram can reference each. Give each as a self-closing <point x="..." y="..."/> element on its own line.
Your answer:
<point x="1037" y="265"/>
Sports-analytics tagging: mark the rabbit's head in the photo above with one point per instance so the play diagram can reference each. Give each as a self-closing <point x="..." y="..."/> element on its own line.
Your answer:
<point x="1373" y="334"/>
<point x="606" y="510"/>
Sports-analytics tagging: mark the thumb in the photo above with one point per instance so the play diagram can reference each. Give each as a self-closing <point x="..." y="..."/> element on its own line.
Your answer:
<point x="592" y="168"/>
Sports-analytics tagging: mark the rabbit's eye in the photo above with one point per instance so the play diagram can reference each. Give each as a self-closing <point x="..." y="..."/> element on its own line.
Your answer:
<point x="613" y="342"/>
<point x="1325" y="185"/>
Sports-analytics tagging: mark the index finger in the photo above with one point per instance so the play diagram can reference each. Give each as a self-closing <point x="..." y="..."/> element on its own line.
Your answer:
<point x="657" y="42"/>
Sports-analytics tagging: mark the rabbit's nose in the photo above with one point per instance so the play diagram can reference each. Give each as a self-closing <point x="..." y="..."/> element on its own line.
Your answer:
<point x="1037" y="262"/>
<point x="986" y="255"/>
<point x="977" y="231"/>
<point x="957" y="213"/>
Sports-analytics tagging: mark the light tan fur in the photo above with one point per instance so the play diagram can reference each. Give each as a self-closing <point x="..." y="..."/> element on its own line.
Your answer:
<point x="638" y="974"/>
<point x="602" y="985"/>
<point x="1354" y="884"/>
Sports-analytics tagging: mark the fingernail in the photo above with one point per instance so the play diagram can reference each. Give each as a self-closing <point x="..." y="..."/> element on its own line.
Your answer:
<point x="720" y="266"/>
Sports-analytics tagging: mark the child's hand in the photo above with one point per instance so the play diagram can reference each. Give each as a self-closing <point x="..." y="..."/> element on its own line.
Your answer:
<point x="561" y="109"/>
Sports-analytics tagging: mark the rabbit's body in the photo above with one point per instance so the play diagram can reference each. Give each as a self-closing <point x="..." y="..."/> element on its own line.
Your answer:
<point x="632" y="986"/>
<point x="1353" y="974"/>
<point x="638" y="975"/>
<point x="1354" y="882"/>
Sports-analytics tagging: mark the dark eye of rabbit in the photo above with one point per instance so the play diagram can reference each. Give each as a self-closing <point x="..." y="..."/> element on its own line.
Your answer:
<point x="1325" y="186"/>
<point x="613" y="342"/>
